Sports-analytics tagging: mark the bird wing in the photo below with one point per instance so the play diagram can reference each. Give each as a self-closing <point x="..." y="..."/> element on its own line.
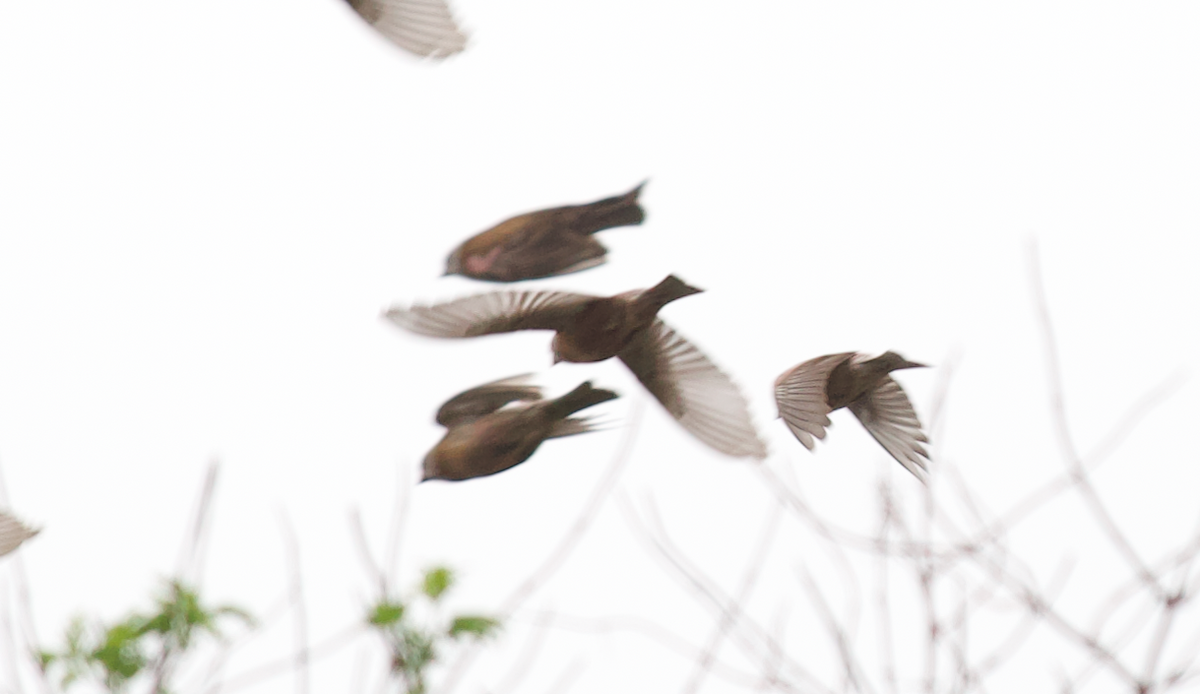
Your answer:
<point x="800" y="396"/>
<point x="694" y="390"/>
<point x="485" y="314"/>
<point x="477" y="402"/>
<point x="13" y="532"/>
<point x="424" y="27"/>
<point x="887" y="413"/>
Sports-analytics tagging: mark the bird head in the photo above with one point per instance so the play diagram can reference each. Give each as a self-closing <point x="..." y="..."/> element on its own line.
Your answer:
<point x="893" y="361"/>
<point x="429" y="467"/>
<point x="454" y="263"/>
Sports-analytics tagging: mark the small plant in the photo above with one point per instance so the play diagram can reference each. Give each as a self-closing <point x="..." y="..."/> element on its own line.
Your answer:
<point x="140" y="644"/>
<point x="413" y="646"/>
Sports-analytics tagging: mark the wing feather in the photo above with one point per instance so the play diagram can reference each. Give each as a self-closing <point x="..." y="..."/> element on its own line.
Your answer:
<point x="800" y="396"/>
<point x="888" y="415"/>
<point x="694" y="390"/>
<point x="483" y="400"/>
<point x="13" y="532"/>
<point x="424" y="27"/>
<point x="486" y="314"/>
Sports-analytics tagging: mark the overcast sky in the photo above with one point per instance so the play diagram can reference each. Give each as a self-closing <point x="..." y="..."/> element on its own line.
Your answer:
<point x="204" y="207"/>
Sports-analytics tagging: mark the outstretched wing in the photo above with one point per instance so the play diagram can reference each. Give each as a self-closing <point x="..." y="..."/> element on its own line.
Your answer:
<point x="694" y="390"/>
<point x="483" y="400"/>
<point x="13" y="532"/>
<point x="424" y="27"/>
<point x="800" y="396"/>
<point x="486" y="314"/>
<point x="889" y="416"/>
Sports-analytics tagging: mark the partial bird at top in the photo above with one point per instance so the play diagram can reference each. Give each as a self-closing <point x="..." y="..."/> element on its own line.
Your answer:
<point x="807" y="393"/>
<point x="423" y="27"/>
<point x="13" y="532"/>
<point x="545" y="243"/>
<point x="590" y="328"/>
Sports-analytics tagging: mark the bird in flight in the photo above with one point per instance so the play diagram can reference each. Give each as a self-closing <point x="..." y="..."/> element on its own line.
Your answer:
<point x="588" y="328"/>
<point x="808" y="392"/>
<point x="499" y="425"/>
<point x="545" y="243"/>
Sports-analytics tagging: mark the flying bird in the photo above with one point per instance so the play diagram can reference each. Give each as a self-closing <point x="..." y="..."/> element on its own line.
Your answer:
<point x="590" y="328"/>
<point x="545" y="243"/>
<point x="423" y="27"/>
<point x="13" y="532"/>
<point x="807" y="393"/>
<point x="484" y="437"/>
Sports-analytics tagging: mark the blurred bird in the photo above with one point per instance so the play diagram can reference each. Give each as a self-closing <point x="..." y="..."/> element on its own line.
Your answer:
<point x="484" y="437"/>
<point x="807" y="393"/>
<point x="545" y="243"/>
<point x="424" y="27"/>
<point x="13" y="532"/>
<point x="591" y="328"/>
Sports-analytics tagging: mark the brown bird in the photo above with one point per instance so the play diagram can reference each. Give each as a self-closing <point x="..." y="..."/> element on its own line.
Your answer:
<point x="484" y="437"/>
<point x="424" y="27"/>
<point x="591" y="328"/>
<point x="545" y="243"/>
<point x="13" y="532"/>
<point x="807" y="393"/>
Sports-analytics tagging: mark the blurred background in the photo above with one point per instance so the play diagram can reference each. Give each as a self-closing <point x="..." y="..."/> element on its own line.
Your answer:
<point x="204" y="208"/>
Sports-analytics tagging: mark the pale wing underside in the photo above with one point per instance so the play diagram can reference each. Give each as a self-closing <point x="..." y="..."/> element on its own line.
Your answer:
<point x="888" y="415"/>
<point x="697" y="393"/>
<point x="486" y="314"/>
<point x="424" y="27"/>
<point x="477" y="402"/>
<point x="13" y="532"/>
<point x="800" y="396"/>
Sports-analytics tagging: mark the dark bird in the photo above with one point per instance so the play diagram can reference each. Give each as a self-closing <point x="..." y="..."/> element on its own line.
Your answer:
<point x="591" y="328"/>
<point x="13" y="532"/>
<point x="484" y="437"/>
<point x="807" y="393"/>
<point x="424" y="27"/>
<point x="545" y="243"/>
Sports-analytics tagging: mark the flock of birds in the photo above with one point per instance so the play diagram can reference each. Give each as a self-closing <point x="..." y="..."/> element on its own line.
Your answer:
<point x="499" y="425"/>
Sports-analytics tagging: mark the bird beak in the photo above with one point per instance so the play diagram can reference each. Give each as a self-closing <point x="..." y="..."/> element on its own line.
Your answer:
<point x="557" y="358"/>
<point x="913" y="365"/>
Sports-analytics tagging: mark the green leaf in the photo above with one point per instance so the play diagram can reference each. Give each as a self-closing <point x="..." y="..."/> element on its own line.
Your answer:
<point x="473" y="625"/>
<point x="386" y="613"/>
<point x="437" y="581"/>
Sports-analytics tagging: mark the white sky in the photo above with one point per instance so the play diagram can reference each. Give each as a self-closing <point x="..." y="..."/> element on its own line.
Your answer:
<point x="205" y="206"/>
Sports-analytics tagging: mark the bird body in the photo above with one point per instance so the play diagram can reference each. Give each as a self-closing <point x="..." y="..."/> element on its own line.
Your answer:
<point x="605" y="326"/>
<point x="808" y="392"/>
<point x="544" y="243"/>
<point x="483" y="437"/>
<point x="589" y="329"/>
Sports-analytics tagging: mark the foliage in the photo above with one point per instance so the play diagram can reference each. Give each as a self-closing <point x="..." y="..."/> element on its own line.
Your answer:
<point x="414" y="646"/>
<point x="140" y="644"/>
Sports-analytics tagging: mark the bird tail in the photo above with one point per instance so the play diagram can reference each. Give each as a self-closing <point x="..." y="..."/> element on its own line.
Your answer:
<point x="618" y="211"/>
<point x="581" y="398"/>
<point x="665" y="292"/>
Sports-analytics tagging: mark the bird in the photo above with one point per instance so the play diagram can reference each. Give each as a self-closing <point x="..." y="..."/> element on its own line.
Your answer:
<point x="545" y="243"/>
<point x="13" y="532"/>
<point x="808" y="392"/>
<point x="701" y="397"/>
<point x="424" y="27"/>
<point x="484" y="437"/>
